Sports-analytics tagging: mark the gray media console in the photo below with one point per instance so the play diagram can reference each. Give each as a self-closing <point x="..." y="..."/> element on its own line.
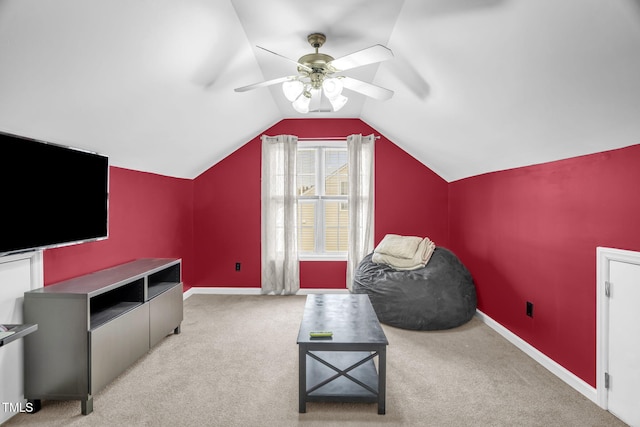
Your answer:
<point x="91" y="328"/>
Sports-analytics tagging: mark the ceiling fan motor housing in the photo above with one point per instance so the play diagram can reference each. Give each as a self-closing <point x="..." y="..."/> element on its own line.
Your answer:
<point x="318" y="62"/>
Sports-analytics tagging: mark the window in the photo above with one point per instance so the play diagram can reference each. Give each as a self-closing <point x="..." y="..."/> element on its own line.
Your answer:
<point x="322" y="188"/>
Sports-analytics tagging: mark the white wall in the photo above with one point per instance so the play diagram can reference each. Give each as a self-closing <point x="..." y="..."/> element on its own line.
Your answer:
<point x="18" y="274"/>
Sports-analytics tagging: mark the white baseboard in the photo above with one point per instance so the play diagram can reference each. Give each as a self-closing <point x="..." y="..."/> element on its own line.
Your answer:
<point x="253" y="291"/>
<point x="322" y="291"/>
<point x="221" y="291"/>
<point x="554" y="367"/>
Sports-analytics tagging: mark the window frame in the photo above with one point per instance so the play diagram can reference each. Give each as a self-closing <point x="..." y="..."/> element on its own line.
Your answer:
<point x="319" y="200"/>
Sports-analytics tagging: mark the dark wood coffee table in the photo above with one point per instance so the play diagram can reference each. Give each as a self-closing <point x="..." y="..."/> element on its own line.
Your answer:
<point x="341" y="368"/>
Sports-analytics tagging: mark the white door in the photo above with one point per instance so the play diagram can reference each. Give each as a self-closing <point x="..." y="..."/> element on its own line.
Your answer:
<point x="17" y="275"/>
<point x="624" y="342"/>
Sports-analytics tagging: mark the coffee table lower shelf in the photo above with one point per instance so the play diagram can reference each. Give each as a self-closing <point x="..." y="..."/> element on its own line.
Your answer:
<point x="342" y="382"/>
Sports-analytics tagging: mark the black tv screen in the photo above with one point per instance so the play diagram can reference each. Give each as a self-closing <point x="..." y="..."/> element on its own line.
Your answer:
<point x="50" y="195"/>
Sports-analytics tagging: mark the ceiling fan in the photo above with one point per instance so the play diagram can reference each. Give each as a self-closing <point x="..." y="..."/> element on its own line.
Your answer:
<point x="318" y="74"/>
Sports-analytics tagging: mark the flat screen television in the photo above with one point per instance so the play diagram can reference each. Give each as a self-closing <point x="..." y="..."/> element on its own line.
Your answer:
<point x="50" y="195"/>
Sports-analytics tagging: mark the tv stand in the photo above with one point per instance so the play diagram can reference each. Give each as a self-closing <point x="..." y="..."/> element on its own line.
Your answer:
<point x="93" y="327"/>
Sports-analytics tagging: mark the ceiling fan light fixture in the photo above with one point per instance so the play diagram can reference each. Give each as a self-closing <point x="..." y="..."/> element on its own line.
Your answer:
<point x="301" y="104"/>
<point x="332" y="87"/>
<point x="338" y="102"/>
<point x="292" y="89"/>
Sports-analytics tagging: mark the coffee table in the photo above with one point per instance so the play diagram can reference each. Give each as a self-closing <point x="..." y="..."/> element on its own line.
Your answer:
<point x="341" y="368"/>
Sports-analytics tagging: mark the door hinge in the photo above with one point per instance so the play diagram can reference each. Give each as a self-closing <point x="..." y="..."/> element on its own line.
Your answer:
<point x="606" y="380"/>
<point x="607" y="288"/>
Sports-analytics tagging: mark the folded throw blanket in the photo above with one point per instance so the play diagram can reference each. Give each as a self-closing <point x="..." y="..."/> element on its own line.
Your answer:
<point x="398" y="246"/>
<point x="402" y="253"/>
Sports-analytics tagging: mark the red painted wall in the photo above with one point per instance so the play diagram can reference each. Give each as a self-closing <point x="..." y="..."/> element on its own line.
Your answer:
<point x="226" y="214"/>
<point x="149" y="216"/>
<point x="530" y="234"/>
<point x="410" y="199"/>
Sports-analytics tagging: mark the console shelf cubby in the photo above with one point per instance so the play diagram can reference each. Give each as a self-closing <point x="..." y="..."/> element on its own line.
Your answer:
<point x="93" y="327"/>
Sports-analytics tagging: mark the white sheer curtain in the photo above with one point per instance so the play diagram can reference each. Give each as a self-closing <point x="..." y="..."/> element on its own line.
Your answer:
<point x="360" y="152"/>
<point x="280" y="268"/>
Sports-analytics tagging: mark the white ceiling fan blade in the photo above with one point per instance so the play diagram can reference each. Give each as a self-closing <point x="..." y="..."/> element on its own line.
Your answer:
<point x="264" y="84"/>
<point x="370" y="55"/>
<point x="367" y="89"/>
<point x="288" y="59"/>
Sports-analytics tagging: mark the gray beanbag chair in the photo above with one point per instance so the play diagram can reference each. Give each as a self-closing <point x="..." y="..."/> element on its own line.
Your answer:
<point x="440" y="295"/>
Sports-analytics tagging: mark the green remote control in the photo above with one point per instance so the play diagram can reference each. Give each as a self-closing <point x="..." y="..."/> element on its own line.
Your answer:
<point x="320" y="334"/>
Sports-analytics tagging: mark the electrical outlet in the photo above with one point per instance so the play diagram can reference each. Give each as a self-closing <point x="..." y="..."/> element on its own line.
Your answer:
<point x="237" y="266"/>
<point x="529" y="309"/>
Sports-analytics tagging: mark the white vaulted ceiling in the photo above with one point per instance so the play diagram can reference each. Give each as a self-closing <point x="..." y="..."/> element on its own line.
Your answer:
<point x="480" y="85"/>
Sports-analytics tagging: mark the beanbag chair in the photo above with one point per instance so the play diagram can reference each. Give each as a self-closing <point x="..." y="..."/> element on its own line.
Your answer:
<point x="440" y="295"/>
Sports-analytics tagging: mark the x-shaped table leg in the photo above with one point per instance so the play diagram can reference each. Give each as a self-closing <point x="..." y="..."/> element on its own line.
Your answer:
<point x="343" y="372"/>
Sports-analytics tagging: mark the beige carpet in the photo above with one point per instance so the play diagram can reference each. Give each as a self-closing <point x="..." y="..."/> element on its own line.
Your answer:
<point x="235" y="364"/>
